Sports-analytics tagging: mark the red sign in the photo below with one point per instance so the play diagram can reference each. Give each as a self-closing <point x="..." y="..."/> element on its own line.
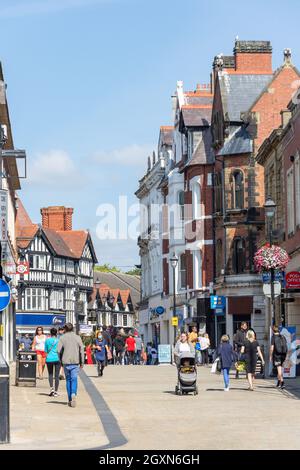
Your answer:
<point x="23" y="268"/>
<point x="293" y="280"/>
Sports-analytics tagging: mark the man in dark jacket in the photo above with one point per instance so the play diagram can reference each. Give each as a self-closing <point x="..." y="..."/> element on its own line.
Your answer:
<point x="239" y="340"/>
<point x="119" y="345"/>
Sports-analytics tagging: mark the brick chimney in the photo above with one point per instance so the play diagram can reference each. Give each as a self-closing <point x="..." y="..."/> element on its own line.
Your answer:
<point x="253" y="56"/>
<point x="57" y="217"/>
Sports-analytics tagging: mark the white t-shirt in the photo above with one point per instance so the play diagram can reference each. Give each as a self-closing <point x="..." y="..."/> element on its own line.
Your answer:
<point x="203" y="342"/>
<point x="184" y="347"/>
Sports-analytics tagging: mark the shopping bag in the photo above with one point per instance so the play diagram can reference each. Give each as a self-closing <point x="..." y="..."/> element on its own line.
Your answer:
<point x="109" y="354"/>
<point x="214" y="367"/>
<point x="240" y="366"/>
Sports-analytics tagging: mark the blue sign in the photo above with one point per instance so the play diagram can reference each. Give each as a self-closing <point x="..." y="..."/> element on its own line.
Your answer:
<point x="217" y="301"/>
<point x="39" y="319"/>
<point x="160" y="310"/>
<point x="4" y="294"/>
<point x="266" y="277"/>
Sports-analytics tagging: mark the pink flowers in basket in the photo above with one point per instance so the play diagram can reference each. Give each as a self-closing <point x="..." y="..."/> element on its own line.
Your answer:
<point x="271" y="257"/>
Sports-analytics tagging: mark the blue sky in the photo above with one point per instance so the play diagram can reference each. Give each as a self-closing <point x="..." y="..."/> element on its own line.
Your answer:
<point x="89" y="84"/>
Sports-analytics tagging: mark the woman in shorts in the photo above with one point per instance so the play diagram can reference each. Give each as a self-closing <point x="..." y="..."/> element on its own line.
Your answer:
<point x="39" y="346"/>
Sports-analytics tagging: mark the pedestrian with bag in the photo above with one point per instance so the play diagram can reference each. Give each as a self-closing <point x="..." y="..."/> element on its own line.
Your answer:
<point x="100" y="346"/>
<point x="71" y="352"/>
<point x="251" y="349"/>
<point x="52" y="362"/>
<point x="278" y="353"/>
<point x="138" y="349"/>
<point x="226" y="356"/>
<point x="238" y="342"/>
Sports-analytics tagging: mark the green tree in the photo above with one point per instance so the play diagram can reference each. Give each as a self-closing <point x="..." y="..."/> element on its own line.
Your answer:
<point x="106" y="268"/>
<point x="134" y="272"/>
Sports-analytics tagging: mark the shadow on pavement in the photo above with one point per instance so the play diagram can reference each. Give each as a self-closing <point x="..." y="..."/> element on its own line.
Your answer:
<point x="57" y="403"/>
<point x="108" y="420"/>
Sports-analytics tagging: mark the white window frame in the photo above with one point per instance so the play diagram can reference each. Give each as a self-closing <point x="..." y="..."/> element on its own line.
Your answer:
<point x="57" y="299"/>
<point x="38" y="262"/>
<point x="35" y="298"/>
<point x="182" y="285"/>
<point x="196" y="197"/>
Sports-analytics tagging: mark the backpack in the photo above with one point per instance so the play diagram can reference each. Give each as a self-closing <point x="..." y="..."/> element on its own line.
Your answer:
<point x="280" y="345"/>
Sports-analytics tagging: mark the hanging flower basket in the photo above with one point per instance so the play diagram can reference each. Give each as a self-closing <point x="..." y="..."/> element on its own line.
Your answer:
<point x="271" y="257"/>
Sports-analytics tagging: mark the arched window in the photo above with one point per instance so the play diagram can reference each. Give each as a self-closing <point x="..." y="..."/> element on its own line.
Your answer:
<point x="182" y="267"/>
<point x="239" y="256"/>
<point x="181" y="204"/>
<point x="219" y="257"/>
<point x="237" y="190"/>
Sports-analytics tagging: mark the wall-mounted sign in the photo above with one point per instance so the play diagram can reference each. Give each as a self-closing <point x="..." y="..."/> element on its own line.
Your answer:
<point x="217" y="301"/>
<point x="292" y="280"/>
<point x="3" y="215"/>
<point x="23" y="268"/>
<point x="160" y="310"/>
<point x="174" y="321"/>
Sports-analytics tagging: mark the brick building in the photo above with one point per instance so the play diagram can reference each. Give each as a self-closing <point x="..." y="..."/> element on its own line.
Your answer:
<point x="280" y="157"/>
<point x="248" y="101"/>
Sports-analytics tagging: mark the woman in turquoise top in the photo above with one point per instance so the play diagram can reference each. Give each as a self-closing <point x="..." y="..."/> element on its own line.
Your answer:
<point x="52" y="361"/>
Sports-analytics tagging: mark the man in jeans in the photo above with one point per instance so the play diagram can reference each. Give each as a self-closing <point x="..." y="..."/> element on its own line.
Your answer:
<point x="71" y="351"/>
<point x="138" y="350"/>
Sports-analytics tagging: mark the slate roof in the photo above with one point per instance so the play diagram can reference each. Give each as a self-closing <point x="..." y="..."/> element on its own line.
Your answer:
<point x="166" y="135"/>
<point x="195" y="116"/>
<point x="116" y="280"/>
<point x="237" y="142"/>
<point x="203" y="154"/>
<point x="239" y="91"/>
<point x="198" y="99"/>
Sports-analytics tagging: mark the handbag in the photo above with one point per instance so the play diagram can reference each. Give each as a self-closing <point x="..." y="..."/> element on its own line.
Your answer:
<point x="198" y="346"/>
<point x="109" y="354"/>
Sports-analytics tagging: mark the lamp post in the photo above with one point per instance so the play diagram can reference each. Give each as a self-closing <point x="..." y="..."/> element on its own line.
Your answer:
<point x="174" y="263"/>
<point x="270" y="209"/>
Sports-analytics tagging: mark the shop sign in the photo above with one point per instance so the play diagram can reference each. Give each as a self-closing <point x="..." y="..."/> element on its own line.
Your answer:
<point x="292" y="280"/>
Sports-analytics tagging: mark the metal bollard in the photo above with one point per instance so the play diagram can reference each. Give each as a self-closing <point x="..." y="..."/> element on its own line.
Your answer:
<point x="4" y="402"/>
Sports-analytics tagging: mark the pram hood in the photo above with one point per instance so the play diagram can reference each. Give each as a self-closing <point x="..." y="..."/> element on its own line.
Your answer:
<point x="187" y="355"/>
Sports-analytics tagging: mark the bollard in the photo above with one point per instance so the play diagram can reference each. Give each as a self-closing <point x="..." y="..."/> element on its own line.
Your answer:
<point x="4" y="401"/>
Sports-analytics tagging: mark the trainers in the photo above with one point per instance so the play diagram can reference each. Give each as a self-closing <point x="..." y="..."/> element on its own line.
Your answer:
<point x="51" y="394"/>
<point x="226" y="389"/>
<point x="56" y="394"/>
<point x="73" y="401"/>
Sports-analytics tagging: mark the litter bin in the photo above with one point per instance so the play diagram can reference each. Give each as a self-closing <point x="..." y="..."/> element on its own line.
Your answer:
<point x="26" y="369"/>
<point x="4" y="401"/>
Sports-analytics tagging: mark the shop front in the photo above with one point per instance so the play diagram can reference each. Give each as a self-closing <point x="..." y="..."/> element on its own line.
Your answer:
<point x="28" y="322"/>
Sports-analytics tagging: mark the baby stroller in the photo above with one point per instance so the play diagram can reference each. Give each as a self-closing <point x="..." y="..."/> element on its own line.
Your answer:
<point x="187" y="374"/>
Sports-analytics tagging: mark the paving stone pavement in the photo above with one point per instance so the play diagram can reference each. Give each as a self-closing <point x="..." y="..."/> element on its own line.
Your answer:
<point x="134" y="407"/>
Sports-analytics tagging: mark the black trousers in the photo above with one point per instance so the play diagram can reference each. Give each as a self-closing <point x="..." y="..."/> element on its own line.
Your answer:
<point x="53" y="367"/>
<point x="204" y="354"/>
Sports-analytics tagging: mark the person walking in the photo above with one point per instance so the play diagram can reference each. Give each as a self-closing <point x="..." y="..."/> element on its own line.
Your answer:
<point x="204" y="344"/>
<point x="138" y="349"/>
<point x="52" y="362"/>
<point x="61" y="331"/>
<point x="227" y="356"/>
<point x="149" y="356"/>
<point x="38" y="345"/>
<point x="130" y="348"/>
<point x="71" y="351"/>
<point x="100" y="346"/>
<point x="154" y="355"/>
<point x="182" y="345"/>
<point x="26" y="341"/>
<point x="251" y="349"/>
<point x="278" y="353"/>
<point x="119" y="346"/>
<point x="238" y="341"/>
<point x="107" y="336"/>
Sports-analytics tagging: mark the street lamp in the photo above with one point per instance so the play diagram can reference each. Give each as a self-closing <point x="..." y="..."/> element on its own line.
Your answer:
<point x="270" y="209"/>
<point x="174" y="263"/>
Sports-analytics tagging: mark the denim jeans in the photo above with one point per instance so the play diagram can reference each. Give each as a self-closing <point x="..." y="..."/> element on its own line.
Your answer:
<point x="71" y="373"/>
<point x="226" y="376"/>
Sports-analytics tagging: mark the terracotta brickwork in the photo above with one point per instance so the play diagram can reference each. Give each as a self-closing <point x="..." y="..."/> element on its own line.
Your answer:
<point x="57" y="218"/>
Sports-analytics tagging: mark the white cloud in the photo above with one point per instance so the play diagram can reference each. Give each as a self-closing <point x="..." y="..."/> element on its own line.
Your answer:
<point x="54" y="167"/>
<point x="130" y="155"/>
<point x="26" y="8"/>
